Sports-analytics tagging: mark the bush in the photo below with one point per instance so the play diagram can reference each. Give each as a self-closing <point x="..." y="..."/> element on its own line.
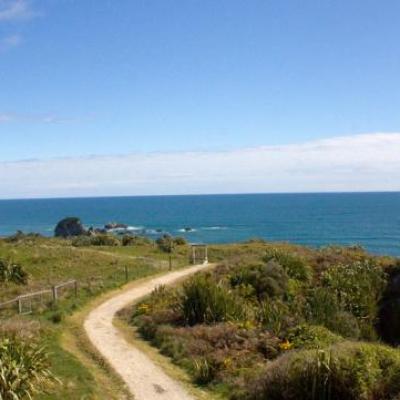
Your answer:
<point x="268" y="280"/>
<point x="57" y="317"/>
<point x="82" y="241"/>
<point x="323" y="304"/>
<point x="204" y="301"/>
<point x="274" y="316"/>
<point x="180" y="241"/>
<point x="345" y="324"/>
<point x="128" y="240"/>
<point x="358" y="288"/>
<point x="348" y="370"/>
<point x="166" y="243"/>
<point x="95" y="240"/>
<point x="20" y="236"/>
<point x="104" y="240"/>
<point x="203" y="370"/>
<point x="294" y="266"/>
<point x="12" y="272"/>
<point x="134" y="240"/>
<point x="311" y="337"/>
<point x="24" y="369"/>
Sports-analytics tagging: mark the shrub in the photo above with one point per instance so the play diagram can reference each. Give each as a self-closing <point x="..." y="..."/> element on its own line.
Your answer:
<point x="358" y="287"/>
<point x="160" y="299"/>
<point x="24" y="369"/>
<point x="294" y="266"/>
<point x="268" y="280"/>
<point x="104" y="240"/>
<point x="348" y="370"/>
<point x="311" y="337"/>
<point x="95" y="240"/>
<point x="203" y="370"/>
<point x="12" y="272"/>
<point x="323" y="304"/>
<point x="345" y="324"/>
<point x="57" y="317"/>
<point x="273" y="315"/>
<point x="135" y="240"/>
<point x="180" y="241"/>
<point x="20" y="236"/>
<point x="204" y="301"/>
<point x="324" y="309"/>
<point x="166" y="243"/>
<point x="82" y="241"/>
<point x="128" y="240"/>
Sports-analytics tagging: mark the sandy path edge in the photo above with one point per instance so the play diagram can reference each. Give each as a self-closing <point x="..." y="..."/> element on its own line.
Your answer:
<point x="144" y="379"/>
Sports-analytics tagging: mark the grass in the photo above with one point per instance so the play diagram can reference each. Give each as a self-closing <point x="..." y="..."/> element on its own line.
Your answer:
<point x="50" y="261"/>
<point x="86" y="376"/>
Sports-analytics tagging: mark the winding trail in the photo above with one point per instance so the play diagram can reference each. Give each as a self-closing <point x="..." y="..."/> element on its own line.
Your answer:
<point x="145" y="380"/>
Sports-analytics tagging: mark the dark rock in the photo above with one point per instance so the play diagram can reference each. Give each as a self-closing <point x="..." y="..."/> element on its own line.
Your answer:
<point x="70" y="226"/>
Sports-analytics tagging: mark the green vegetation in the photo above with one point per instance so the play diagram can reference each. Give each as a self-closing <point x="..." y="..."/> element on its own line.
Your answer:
<point x="348" y="370"/>
<point x="279" y="322"/>
<point x="268" y="316"/>
<point x="11" y="272"/>
<point x="168" y="243"/>
<point x="24" y="362"/>
<point x="44" y="354"/>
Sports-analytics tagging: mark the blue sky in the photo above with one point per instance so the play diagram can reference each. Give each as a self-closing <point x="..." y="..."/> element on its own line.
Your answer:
<point x="104" y="78"/>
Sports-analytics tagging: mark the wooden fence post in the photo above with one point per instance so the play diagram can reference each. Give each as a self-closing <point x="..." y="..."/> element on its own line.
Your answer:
<point x="19" y="306"/>
<point x="126" y="273"/>
<point x="54" y="291"/>
<point x="170" y="262"/>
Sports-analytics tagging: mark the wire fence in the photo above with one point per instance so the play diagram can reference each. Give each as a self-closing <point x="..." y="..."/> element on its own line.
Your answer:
<point x="49" y="296"/>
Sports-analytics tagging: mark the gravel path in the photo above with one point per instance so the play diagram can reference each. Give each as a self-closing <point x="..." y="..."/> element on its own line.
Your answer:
<point x="145" y="380"/>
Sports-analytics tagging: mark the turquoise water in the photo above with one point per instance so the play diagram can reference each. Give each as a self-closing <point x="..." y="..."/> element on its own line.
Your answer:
<point x="369" y="219"/>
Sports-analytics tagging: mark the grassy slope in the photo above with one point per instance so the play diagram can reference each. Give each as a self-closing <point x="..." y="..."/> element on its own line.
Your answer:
<point x="50" y="261"/>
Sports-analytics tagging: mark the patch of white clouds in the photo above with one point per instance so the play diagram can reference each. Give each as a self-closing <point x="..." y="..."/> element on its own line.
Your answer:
<point x="366" y="162"/>
<point x="11" y="12"/>
<point x="14" y="10"/>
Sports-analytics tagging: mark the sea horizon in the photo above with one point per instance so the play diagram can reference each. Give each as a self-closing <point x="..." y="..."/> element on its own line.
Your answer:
<point x="368" y="219"/>
<point x="199" y="194"/>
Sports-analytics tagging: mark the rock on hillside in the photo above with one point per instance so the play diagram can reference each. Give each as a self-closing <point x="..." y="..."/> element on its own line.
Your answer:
<point x="70" y="226"/>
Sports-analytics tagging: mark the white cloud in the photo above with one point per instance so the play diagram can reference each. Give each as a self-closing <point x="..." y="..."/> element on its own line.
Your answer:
<point x="12" y="10"/>
<point x="350" y="163"/>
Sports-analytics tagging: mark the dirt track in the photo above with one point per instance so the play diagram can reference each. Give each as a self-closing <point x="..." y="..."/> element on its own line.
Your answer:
<point x="145" y="380"/>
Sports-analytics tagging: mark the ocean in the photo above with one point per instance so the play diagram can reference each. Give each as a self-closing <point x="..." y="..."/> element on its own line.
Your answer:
<point x="368" y="219"/>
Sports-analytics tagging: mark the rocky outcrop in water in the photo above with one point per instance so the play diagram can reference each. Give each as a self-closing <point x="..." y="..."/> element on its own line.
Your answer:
<point x="115" y="225"/>
<point x="70" y="226"/>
